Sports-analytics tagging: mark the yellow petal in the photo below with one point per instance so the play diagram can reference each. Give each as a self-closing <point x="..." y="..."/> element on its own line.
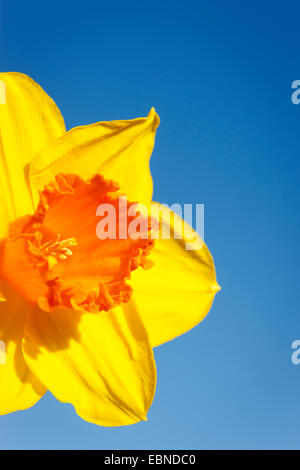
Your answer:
<point x="29" y="120"/>
<point x="19" y="389"/>
<point x="178" y="291"/>
<point x="101" y="363"/>
<point x="120" y="150"/>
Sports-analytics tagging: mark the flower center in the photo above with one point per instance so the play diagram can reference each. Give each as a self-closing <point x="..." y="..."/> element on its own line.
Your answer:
<point x="54" y="258"/>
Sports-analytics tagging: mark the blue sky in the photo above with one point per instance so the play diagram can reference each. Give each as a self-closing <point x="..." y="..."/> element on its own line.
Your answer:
<point x="219" y="74"/>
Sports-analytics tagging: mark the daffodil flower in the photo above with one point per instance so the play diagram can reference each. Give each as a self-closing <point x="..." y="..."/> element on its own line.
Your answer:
<point x="80" y="316"/>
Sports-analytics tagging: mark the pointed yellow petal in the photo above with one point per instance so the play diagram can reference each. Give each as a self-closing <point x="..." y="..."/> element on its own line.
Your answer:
<point x="101" y="363"/>
<point x="19" y="389"/>
<point x="178" y="291"/>
<point x="120" y="150"/>
<point x="29" y="120"/>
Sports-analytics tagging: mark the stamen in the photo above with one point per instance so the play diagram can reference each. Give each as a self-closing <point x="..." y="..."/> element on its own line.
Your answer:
<point x="49" y="253"/>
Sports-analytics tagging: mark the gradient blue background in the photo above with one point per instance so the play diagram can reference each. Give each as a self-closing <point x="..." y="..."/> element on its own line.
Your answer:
<point x="219" y="74"/>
